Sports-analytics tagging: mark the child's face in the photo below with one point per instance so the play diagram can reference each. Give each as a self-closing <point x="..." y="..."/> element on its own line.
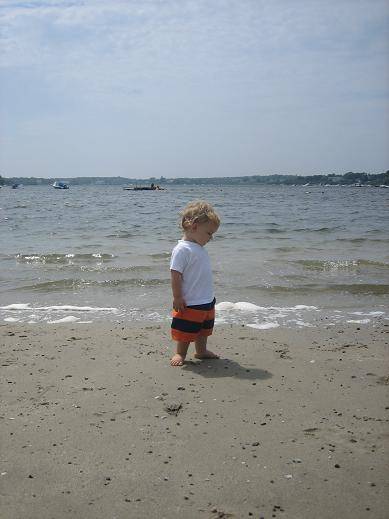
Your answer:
<point x="203" y="232"/>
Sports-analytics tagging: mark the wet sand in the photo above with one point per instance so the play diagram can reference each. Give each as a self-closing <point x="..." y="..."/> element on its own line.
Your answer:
<point x="288" y="423"/>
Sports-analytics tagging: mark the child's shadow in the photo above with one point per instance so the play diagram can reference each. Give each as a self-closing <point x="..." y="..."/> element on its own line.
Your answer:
<point x="225" y="368"/>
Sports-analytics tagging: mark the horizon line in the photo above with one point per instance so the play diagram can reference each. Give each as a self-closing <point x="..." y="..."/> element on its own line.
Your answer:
<point x="163" y="178"/>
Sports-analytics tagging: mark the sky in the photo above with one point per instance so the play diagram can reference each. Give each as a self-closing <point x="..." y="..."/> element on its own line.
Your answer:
<point x="193" y="88"/>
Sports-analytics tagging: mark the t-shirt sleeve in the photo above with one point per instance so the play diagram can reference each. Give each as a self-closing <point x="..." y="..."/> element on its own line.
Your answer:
<point x="179" y="259"/>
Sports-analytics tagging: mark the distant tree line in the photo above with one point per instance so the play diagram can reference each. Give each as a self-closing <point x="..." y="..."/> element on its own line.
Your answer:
<point x="349" y="178"/>
<point x="297" y="180"/>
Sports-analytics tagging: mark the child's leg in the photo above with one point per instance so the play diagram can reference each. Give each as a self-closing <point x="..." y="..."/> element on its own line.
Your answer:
<point x="181" y="351"/>
<point x="201" y="349"/>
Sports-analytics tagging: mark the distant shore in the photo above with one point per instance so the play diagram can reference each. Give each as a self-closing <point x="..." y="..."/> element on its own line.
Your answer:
<point x="331" y="179"/>
<point x="288" y="423"/>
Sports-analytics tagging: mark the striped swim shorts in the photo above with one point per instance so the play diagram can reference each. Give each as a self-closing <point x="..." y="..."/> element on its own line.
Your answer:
<point x="195" y="321"/>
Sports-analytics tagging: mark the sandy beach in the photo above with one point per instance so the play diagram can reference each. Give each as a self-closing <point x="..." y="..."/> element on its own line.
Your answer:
<point x="287" y="424"/>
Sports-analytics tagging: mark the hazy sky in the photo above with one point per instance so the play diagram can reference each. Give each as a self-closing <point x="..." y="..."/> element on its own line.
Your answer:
<point x="142" y="88"/>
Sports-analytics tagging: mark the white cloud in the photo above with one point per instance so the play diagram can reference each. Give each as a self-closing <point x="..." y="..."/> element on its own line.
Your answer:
<point x="251" y="64"/>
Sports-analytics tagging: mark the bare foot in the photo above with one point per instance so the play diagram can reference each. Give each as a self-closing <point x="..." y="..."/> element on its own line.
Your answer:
<point x="177" y="360"/>
<point x="206" y="355"/>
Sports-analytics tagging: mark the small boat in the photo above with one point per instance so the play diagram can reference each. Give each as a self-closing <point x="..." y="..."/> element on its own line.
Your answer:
<point x="152" y="187"/>
<point x="15" y="186"/>
<point x="60" y="185"/>
<point x="139" y="188"/>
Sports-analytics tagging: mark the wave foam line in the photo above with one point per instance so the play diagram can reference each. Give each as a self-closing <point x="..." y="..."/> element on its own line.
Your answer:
<point x="263" y="326"/>
<point x="68" y="319"/>
<point x="226" y="306"/>
<point x="62" y="308"/>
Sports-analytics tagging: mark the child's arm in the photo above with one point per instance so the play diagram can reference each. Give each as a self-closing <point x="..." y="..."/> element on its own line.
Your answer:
<point x="178" y="300"/>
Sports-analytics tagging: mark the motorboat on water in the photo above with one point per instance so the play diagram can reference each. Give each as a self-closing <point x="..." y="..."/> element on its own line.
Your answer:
<point x="151" y="187"/>
<point x="60" y="185"/>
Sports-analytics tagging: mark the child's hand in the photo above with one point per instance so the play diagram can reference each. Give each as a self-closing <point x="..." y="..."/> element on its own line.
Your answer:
<point x="179" y="304"/>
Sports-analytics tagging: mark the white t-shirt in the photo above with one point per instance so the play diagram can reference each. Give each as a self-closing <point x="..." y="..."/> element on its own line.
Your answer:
<point x="192" y="260"/>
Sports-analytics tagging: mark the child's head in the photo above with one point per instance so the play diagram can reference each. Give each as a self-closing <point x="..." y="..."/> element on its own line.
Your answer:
<point x="198" y="211"/>
<point x="200" y="221"/>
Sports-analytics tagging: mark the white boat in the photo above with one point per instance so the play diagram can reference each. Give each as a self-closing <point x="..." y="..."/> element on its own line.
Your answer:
<point x="60" y="185"/>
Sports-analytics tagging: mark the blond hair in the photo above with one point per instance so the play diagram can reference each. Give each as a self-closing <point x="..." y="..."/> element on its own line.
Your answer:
<point x="198" y="211"/>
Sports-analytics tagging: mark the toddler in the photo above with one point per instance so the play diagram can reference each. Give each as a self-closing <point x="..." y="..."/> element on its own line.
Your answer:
<point x="192" y="286"/>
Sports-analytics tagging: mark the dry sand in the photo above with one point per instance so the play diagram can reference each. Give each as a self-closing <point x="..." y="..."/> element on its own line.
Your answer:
<point x="288" y="424"/>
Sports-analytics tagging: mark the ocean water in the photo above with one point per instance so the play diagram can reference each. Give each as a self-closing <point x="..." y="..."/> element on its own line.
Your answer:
<point x="283" y="256"/>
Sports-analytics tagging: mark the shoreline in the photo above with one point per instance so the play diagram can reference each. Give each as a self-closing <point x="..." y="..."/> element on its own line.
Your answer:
<point x="228" y="313"/>
<point x="288" y="423"/>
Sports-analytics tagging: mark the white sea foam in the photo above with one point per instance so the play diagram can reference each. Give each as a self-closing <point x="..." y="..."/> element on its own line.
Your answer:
<point x="263" y="326"/>
<point x="246" y="307"/>
<point x="16" y="306"/>
<point x="225" y="305"/>
<point x="301" y="323"/>
<point x="241" y="312"/>
<point x="240" y="305"/>
<point x="68" y="319"/>
<point x="70" y="308"/>
<point x="251" y="307"/>
<point x="372" y="314"/>
<point x="26" y="312"/>
<point x="262" y="317"/>
<point x="63" y="308"/>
